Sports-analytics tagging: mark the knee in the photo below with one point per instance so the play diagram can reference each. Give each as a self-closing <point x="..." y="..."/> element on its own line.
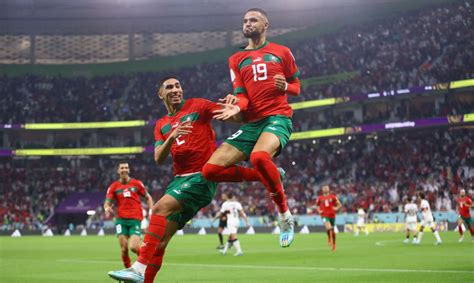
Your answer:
<point x="210" y="171"/>
<point x="258" y="157"/>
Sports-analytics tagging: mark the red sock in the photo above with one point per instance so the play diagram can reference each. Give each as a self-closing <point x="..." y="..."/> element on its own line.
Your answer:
<point x="153" y="236"/>
<point x="460" y="230"/>
<point x="126" y="260"/>
<point x="333" y="237"/>
<point x="154" y="266"/>
<point x="262" y="162"/>
<point x="233" y="173"/>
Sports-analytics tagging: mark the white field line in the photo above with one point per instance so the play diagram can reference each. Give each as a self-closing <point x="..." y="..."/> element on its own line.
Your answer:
<point x="278" y="267"/>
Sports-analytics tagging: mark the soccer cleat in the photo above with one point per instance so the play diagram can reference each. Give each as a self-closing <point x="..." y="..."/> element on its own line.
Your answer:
<point x="414" y="241"/>
<point x="461" y="239"/>
<point x="220" y="247"/>
<point x="287" y="231"/>
<point x="239" y="254"/>
<point x="222" y="252"/>
<point x="406" y="241"/>
<point x="437" y="243"/>
<point x="126" y="275"/>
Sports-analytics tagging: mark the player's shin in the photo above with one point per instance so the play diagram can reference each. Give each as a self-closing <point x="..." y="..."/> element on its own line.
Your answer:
<point x="263" y="163"/>
<point x="232" y="173"/>
<point x="153" y="237"/>
<point x="154" y="266"/>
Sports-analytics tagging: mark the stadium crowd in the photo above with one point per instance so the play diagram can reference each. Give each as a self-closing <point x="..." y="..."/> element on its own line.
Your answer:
<point x="438" y="162"/>
<point x="417" y="48"/>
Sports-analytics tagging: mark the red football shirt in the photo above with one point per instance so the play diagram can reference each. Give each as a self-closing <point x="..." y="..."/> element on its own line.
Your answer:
<point x="464" y="210"/>
<point x="326" y="204"/>
<point x="189" y="152"/>
<point x="127" y="197"/>
<point x="252" y="72"/>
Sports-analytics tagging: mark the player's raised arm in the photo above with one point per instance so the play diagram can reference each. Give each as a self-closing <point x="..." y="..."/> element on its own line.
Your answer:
<point x="108" y="209"/>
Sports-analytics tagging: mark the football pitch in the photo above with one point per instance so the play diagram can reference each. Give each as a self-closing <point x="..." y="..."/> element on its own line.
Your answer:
<point x="379" y="257"/>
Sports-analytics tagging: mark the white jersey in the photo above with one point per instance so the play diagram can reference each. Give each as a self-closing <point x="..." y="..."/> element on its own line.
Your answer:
<point x="232" y="208"/>
<point x="426" y="210"/>
<point x="410" y="210"/>
<point x="360" y="217"/>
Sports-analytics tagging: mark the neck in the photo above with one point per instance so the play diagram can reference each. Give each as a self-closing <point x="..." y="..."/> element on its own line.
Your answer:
<point x="256" y="42"/>
<point x="172" y="108"/>
<point x="124" y="180"/>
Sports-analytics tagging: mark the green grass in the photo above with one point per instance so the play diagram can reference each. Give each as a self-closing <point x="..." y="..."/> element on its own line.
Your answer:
<point x="378" y="258"/>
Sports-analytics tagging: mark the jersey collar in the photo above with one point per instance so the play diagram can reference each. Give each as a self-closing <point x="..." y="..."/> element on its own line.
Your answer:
<point x="261" y="46"/>
<point x="179" y="108"/>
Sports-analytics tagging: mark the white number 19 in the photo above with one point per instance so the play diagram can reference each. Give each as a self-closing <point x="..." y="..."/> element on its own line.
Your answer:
<point x="259" y="72"/>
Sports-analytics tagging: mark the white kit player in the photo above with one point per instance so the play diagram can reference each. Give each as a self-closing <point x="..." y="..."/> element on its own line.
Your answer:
<point x="234" y="210"/>
<point x="427" y="220"/>
<point x="411" y="220"/>
<point x="361" y="216"/>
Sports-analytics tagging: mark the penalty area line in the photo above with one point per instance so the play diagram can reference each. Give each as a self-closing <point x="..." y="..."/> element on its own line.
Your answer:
<point x="307" y="268"/>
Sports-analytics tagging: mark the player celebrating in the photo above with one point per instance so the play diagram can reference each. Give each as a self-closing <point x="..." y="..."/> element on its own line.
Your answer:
<point x="327" y="206"/>
<point x="186" y="132"/>
<point x="262" y="74"/>
<point x="427" y="220"/>
<point x="464" y="203"/>
<point x="126" y="193"/>
<point x="411" y="220"/>
<point x="233" y="209"/>
<point x="361" y="216"/>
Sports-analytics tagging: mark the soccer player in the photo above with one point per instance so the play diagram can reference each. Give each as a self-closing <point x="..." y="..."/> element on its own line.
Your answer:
<point x="233" y="209"/>
<point x="427" y="220"/>
<point x="262" y="74"/>
<point x="464" y="203"/>
<point x="361" y="216"/>
<point x="186" y="133"/>
<point x="222" y="225"/>
<point x="411" y="220"/>
<point x="126" y="193"/>
<point x="327" y="206"/>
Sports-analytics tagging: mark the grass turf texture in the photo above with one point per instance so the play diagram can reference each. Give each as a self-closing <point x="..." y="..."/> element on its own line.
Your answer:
<point x="380" y="257"/>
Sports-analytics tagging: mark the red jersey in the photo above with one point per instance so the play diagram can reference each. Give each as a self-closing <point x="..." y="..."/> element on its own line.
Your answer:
<point x="463" y="205"/>
<point x="189" y="152"/>
<point x="327" y="204"/>
<point x="252" y="72"/>
<point x="127" y="197"/>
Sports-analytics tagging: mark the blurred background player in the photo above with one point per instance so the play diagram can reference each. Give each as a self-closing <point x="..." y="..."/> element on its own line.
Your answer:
<point x="233" y="209"/>
<point x="262" y="74"/>
<point x="222" y="224"/>
<point x="411" y="220"/>
<point x="361" y="219"/>
<point x="327" y="206"/>
<point x="464" y="204"/>
<point x="126" y="193"/>
<point x="427" y="220"/>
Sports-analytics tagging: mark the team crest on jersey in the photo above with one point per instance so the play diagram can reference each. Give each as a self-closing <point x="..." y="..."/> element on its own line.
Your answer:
<point x="185" y="186"/>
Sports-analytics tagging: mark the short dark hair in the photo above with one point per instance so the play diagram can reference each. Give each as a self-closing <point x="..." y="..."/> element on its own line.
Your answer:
<point x="260" y="10"/>
<point x="422" y="195"/>
<point x="230" y="194"/>
<point x="162" y="81"/>
<point x="122" y="161"/>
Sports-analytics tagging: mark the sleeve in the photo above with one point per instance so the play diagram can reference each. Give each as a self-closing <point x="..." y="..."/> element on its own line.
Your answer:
<point x="405" y="209"/>
<point x="318" y="202"/>
<point x="223" y="208"/>
<point x="239" y="207"/>
<point x="208" y="108"/>
<point x="142" y="189"/>
<point x="110" y="194"/>
<point x="290" y="69"/>
<point x="235" y="77"/>
<point x="159" y="138"/>
<point x="468" y="201"/>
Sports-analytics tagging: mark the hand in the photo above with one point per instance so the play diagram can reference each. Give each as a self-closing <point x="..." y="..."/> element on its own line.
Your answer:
<point x="227" y="111"/>
<point x="280" y="82"/>
<point x="109" y="211"/>
<point x="229" y="99"/>
<point x="182" y="129"/>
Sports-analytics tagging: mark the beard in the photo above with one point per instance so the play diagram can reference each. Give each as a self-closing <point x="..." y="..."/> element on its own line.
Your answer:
<point x="252" y="34"/>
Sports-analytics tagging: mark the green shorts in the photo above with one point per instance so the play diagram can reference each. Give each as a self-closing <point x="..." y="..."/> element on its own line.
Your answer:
<point x="466" y="220"/>
<point x="246" y="137"/>
<point x="193" y="192"/>
<point x="127" y="227"/>
<point x="332" y="221"/>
